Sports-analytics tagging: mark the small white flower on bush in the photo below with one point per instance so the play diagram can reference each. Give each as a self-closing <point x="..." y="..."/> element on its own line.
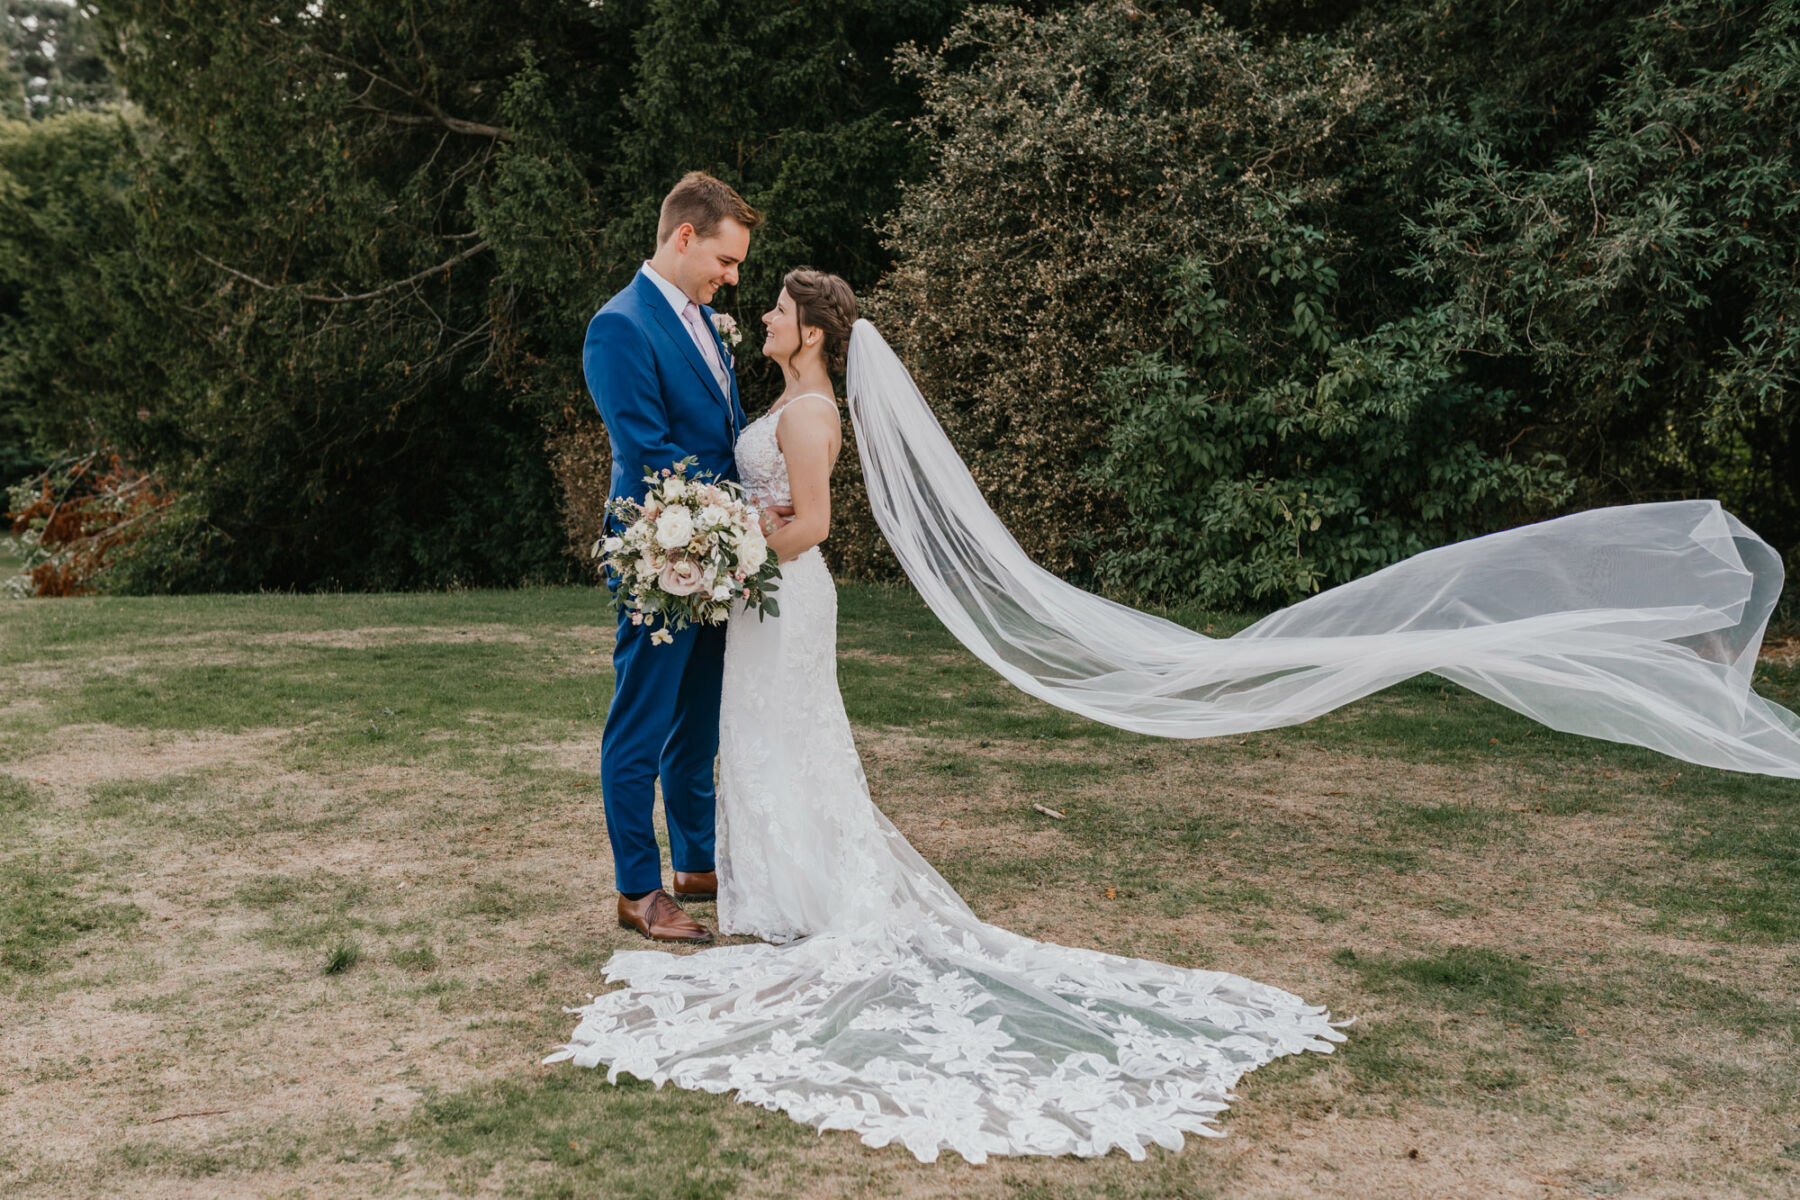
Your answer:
<point x="674" y="528"/>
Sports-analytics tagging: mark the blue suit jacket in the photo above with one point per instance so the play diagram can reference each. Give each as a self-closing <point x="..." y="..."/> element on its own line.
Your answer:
<point x="655" y="392"/>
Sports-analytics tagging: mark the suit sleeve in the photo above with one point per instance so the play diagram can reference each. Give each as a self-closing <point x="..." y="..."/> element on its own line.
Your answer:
<point x="621" y="375"/>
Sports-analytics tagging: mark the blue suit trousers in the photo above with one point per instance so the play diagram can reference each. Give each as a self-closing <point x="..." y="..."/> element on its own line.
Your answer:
<point x="670" y="690"/>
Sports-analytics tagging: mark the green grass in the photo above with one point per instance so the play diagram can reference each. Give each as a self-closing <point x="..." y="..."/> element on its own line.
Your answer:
<point x="47" y="906"/>
<point x="17" y="796"/>
<point x="1468" y="979"/>
<point x="390" y="855"/>
<point x="343" y="956"/>
<point x="628" y="1141"/>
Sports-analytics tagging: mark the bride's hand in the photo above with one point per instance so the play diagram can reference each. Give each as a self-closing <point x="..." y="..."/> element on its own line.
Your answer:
<point x="775" y="516"/>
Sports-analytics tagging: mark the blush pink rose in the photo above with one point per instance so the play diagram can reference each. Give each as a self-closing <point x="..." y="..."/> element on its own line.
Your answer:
<point x="683" y="579"/>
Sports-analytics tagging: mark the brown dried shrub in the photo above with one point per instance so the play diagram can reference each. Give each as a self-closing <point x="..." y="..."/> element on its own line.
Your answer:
<point x="78" y="514"/>
<point x="581" y="462"/>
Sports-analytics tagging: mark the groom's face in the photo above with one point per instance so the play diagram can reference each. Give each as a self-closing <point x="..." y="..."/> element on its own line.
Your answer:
<point x="709" y="263"/>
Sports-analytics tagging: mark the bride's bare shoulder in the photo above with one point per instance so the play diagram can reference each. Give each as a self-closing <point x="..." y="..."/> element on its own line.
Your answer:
<point x="809" y="415"/>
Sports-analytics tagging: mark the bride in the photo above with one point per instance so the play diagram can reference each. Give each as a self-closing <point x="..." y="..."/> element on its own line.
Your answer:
<point x="879" y="1002"/>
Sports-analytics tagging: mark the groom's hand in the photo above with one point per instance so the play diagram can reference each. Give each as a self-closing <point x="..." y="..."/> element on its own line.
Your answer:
<point x="775" y="516"/>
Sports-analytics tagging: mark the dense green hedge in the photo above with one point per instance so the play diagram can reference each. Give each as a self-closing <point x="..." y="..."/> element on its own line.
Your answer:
<point x="1238" y="317"/>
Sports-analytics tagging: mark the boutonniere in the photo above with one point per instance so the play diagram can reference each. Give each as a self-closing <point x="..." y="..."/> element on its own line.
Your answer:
<point x="727" y="329"/>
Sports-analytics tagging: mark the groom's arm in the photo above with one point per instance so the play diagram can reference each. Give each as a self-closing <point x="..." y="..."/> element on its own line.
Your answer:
<point x="621" y="376"/>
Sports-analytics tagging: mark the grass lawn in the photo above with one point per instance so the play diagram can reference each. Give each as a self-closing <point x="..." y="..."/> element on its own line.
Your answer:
<point x="294" y="890"/>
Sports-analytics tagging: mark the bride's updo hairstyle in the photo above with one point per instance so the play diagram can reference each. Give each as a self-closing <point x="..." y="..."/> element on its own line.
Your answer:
<point x="824" y="302"/>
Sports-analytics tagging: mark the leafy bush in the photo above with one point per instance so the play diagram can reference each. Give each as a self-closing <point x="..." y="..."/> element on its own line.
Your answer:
<point x="1638" y="274"/>
<point x="1078" y="157"/>
<point x="1273" y="453"/>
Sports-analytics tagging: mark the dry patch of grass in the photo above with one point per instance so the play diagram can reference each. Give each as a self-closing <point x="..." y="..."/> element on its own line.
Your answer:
<point x="321" y="955"/>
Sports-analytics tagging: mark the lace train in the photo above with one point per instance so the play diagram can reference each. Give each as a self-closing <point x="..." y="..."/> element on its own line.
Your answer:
<point x="948" y="1036"/>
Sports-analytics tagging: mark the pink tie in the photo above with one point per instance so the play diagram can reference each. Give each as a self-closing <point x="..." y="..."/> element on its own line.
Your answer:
<point x="709" y="347"/>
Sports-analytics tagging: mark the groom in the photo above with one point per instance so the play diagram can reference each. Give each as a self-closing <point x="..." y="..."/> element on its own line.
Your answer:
<point x="665" y="386"/>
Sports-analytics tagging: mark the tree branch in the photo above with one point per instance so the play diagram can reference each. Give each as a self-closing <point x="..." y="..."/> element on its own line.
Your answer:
<point x="438" y="117"/>
<point x="397" y="285"/>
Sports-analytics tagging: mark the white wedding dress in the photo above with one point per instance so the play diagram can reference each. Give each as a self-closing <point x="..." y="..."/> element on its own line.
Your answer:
<point x="880" y="1003"/>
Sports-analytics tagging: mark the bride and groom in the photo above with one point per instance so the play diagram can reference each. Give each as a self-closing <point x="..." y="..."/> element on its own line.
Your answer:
<point x="662" y="376"/>
<point x="878" y="1002"/>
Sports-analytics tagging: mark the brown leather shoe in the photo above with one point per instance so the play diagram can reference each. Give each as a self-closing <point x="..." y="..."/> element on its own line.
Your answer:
<point x="696" y="885"/>
<point x="659" y="918"/>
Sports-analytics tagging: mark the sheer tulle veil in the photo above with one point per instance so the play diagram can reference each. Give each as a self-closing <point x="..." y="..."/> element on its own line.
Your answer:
<point x="1638" y="624"/>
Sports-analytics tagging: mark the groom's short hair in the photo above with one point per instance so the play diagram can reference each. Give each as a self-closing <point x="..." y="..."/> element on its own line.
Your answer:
<point x="703" y="202"/>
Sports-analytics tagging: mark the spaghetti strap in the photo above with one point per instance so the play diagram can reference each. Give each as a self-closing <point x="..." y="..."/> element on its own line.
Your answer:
<point x="803" y="395"/>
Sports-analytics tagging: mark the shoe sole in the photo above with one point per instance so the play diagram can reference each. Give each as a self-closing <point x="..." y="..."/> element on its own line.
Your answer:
<point x="695" y="896"/>
<point x="654" y="938"/>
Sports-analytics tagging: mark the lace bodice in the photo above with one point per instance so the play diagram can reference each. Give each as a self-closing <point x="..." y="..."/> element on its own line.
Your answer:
<point x="760" y="464"/>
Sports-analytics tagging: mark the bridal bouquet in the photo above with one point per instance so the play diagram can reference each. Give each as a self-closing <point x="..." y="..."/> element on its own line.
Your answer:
<point x="688" y="551"/>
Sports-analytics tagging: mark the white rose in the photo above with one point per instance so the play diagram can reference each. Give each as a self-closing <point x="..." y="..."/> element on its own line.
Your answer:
<point x="613" y="545"/>
<point x="752" y="551"/>
<point x="674" y="489"/>
<point x="722" y="592"/>
<point x="674" y="528"/>
<point x="714" y="517"/>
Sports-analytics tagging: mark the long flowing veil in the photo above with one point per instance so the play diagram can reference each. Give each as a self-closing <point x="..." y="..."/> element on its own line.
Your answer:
<point x="1638" y="624"/>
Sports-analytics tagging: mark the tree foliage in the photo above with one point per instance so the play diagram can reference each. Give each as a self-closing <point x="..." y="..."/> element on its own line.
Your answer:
<point x="50" y="60"/>
<point x="1179" y="281"/>
<point x="1534" y="234"/>
<point x="1643" y="274"/>
<point x="362" y="243"/>
<point x="1273" y="453"/>
<point x="74" y="295"/>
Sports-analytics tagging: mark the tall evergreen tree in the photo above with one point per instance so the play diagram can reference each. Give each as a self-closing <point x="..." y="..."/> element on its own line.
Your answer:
<point x="368" y="240"/>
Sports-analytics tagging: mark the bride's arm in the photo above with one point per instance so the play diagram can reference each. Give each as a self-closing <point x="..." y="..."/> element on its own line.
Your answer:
<point x="809" y="437"/>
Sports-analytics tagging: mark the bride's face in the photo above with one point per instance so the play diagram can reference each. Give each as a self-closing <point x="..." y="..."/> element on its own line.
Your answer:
<point x="784" y="336"/>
